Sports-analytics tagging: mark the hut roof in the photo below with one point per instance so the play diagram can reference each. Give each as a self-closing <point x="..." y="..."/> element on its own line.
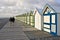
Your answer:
<point x="54" y="6"/>
<point x="39" y="11"/>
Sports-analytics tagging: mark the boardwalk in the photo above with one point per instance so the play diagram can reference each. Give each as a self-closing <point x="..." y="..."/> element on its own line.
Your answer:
<point x="13" y="32"/>
<point x="35" y="34"/>
<point x="21" y="31"/>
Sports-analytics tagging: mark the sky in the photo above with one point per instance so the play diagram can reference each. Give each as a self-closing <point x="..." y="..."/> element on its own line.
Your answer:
<point x="15" y="7"/>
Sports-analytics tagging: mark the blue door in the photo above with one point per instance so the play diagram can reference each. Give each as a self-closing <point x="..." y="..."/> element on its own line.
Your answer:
<point x="53" y="20"/>
<point x="50" y="23"/>
<point x="47" y="22"/>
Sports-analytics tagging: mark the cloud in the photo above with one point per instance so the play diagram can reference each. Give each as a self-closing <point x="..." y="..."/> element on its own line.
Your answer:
<point x="51" y="0"/>
<point x="21" y="6"/>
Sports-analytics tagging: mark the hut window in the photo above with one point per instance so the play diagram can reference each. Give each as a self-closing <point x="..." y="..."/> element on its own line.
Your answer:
<point x="53" y="18"/>
<point x="47" y="19"/>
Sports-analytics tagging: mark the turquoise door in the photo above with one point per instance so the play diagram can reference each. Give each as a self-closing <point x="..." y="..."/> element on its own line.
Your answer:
<point x="53" y="20"/>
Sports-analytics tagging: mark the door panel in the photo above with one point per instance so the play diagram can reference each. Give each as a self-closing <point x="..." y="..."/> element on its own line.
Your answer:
<point x="53" y="24"/>
<point x="53" y="28"/>
<point x="47" y="30"/>
<point x="46" y="26"/>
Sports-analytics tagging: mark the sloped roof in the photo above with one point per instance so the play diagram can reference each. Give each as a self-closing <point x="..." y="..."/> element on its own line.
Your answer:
<point x="54" y="6"/>
<point x="39" y="11"/>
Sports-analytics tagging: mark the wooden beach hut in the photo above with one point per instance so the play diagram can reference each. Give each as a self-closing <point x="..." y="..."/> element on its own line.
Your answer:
<point x="31" y="18"/>
<point x="38" y="18"/>
<point x="21" y="17"/>
<point x="27" y="18"/>
<point x="51" y="16"/>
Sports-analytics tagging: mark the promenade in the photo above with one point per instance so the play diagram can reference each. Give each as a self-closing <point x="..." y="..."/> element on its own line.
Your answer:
<point x="21" y="31"/>
<point x="13" y="32"/>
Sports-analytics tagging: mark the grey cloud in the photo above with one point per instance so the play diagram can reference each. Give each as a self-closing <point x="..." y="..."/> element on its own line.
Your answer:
<point x="7" y="3"/>
<point x="14" y="6"/>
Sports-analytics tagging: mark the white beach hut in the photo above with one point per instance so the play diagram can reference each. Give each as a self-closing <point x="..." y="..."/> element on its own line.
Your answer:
<point x="38" y="18"/>
<point x="27" y="18"/>
<point x="51" y="15"/>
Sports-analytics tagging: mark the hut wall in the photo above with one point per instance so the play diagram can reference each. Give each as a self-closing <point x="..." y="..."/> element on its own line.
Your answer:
<point x="58" y="24"/>
<point x="27" y="19"/>
<point x="38" y="21"/>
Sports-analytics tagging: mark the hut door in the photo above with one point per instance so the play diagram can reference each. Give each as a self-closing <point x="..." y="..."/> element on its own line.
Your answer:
<point x="53" y="24"/>
<point x="46" y="23"/>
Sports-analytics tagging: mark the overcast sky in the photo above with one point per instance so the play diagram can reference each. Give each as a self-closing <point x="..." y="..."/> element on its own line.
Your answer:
<point x="13" y="7"/>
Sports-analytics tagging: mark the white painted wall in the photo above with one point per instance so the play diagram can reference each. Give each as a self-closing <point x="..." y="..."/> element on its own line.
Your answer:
<point x="46" y="26"/>
<point x="31" y="20"/>
<point x="38" y="21"/>
<point x="58" y="24"/>
<point x="27" y="19"/>
<point x="47" y="30"/>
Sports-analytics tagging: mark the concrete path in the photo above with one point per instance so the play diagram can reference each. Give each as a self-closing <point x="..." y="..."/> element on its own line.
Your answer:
<point x="13" y="32"/>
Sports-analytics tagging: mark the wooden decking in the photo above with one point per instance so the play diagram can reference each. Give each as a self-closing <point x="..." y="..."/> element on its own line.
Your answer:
<point x="21" y="31"/>
<point x="13" y="32"/>
<point x="35" y="34"/>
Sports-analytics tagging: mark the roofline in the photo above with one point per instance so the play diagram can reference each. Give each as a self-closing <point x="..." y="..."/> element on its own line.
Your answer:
<point x="38" y="12"/>
<point x="47" y="5"/>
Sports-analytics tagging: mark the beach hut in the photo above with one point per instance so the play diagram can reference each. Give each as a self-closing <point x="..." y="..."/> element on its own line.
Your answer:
<point x="38" y="19"/>
<point x="27" y="18"/>
<point x="51" y="16"/>
<point x="31" y="17"/>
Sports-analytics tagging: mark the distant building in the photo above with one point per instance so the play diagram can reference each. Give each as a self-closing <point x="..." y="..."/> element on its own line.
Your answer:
<point x="51" y="15"/>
